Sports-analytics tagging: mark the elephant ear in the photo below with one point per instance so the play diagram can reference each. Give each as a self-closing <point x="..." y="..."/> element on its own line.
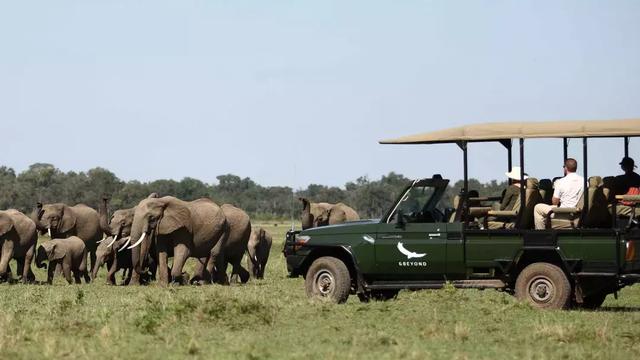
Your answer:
<point x="6" y="223"/>
<point x="53" y="250"/>
<point x="68" y="221"/>
<point x="174" y="217"/>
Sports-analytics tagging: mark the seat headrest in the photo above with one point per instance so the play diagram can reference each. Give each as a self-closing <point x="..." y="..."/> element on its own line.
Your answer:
<point x="532" y="183"/>
<point x="595" y="181"/>
<point x="545" y="184"/>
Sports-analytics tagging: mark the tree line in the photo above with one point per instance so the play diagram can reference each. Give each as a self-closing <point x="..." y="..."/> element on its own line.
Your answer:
<point x="46" y="183"/>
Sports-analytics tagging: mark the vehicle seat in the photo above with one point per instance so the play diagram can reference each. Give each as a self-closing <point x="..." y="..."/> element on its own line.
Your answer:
<point x="509" y="219"/>
<point x="546" y="190"/>
<point x="598" y="215"/>
<point x="568" y="220"/>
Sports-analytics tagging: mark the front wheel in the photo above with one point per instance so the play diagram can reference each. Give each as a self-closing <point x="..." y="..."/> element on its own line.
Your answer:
<point x="543" y="285"/>
<point x="328" y="278"/>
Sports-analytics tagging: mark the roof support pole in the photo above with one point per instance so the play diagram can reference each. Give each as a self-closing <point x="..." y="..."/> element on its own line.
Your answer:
<point x="565" y="146"/>
<point x="585" y="208"/>
<point x="626" y="146"/>
<point x="522" y="181"/>
<point x="465" y="189"/>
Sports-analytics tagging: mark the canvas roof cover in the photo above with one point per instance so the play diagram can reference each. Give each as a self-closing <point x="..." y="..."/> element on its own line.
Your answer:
<point x="525" y="130"/>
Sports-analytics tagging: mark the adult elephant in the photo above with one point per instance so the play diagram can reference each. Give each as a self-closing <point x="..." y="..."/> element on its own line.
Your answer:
<point x="114" y="250"/>
<point x="187" y="229"/>
<point x="232" y="248"/>
<point x="18" y="237"/>
<point x="311" y="212"/>
<point x="337" y="214"/>
<point x="62" y="221"/>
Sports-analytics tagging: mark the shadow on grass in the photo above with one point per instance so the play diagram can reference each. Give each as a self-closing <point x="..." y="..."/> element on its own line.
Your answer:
<point x="621" y="309"/>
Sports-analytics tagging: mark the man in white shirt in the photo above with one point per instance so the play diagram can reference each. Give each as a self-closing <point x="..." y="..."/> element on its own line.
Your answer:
<point x="567" y="193"/>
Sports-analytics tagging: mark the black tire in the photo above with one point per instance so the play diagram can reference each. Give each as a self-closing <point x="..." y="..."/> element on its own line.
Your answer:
<point x="593" y="302"/>
<point x="328" y="278"/>
<point x="543" y="285"/>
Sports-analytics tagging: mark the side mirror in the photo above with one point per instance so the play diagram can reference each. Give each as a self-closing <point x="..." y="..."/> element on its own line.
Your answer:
<point x="400" y="223"/>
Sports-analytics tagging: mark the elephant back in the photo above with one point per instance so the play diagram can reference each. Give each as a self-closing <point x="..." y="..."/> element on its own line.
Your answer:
<point x="350" y="213"/>
<point x="25" y="227"/>
<point x="87" y="225"/>
<point x="208" y="225"/>
<point x="239" y="231"/>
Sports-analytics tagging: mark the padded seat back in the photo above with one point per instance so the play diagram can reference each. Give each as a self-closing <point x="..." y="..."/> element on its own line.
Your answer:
<point x="456" y="208"/>
<point x="532" y="198"/>
<point x="598" y="215"/>
<point x="546" y="190"/>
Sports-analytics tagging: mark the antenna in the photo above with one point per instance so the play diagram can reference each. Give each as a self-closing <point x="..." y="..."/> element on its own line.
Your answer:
<point x="293" y="195"/>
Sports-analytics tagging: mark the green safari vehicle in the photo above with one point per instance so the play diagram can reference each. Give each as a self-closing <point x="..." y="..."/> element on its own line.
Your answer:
<point x="418" y="244"/>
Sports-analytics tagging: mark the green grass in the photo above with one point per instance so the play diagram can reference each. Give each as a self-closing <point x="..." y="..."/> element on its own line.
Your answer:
<point x="274" y="319"/>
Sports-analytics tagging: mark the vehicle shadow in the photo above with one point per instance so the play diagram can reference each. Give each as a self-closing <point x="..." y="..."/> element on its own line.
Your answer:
<point x="621" y="309"/>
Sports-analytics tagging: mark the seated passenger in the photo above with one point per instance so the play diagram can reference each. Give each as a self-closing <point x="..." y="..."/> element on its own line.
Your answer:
<point x="626" y="184"/>
<point x="567" y="193"/>
<point x="512" y="194"/>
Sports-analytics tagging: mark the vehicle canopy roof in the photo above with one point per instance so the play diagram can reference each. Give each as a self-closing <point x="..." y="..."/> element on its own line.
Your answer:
<point x="525" y="130"/>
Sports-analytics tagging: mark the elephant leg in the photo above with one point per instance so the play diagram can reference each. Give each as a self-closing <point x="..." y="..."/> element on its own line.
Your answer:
<point x="66" y="270"/>
<point x="111" y="275"/>
<point x="26" y="267"/>
<point x="51" y="271"/>
<point x="128" y="271"/>
<point x="76" y="277"/>
<point x="7" y="254"/>
<point x="162" y="265"/>
<point x="180" y="255"/>
<point x="251" y="265"/>
<point x="135" y="262"/>
<point x="200" y="272"/>
<point x="93" y="258"/>
<point x="83" y="269"/>
<point x="240" y="273"/>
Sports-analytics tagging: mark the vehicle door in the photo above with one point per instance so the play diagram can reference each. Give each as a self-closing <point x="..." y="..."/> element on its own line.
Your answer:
<point x="411" y="242"/>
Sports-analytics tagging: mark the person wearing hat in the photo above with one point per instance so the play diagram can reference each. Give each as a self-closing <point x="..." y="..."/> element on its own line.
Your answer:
<point x="567" y="192"/>
<point x="626" y="184"/>
<point x="512" y="194"/>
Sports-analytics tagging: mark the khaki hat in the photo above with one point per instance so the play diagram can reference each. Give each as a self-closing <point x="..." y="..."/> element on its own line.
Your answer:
<point x="515" y="173"/>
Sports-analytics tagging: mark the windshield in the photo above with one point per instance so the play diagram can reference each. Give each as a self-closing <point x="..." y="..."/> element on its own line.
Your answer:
<point x="419" y="204"/>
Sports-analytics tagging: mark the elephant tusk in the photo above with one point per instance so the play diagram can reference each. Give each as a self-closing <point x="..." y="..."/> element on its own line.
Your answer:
<point x="255" y="257"/>
<point x="139" y="241"/>
<point x="49" y="231"/>
<point x="114" y="240"/>
<point x="123" y="247"/>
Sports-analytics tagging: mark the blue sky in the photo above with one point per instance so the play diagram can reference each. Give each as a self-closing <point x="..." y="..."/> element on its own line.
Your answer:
<point x="299" y="92"/>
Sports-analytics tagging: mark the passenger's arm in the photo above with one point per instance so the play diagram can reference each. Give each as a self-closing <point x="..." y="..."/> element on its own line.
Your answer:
<point x="555" y="201"/>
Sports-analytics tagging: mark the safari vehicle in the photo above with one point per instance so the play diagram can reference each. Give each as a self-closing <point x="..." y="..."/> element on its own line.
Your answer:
<point x="576" y="261"/>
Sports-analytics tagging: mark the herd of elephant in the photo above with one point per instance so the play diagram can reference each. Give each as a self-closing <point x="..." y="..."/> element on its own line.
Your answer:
<point x="138" y="241"/>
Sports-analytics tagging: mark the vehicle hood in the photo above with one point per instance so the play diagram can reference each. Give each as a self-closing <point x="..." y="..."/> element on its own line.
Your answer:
<point x="351" y="227"/>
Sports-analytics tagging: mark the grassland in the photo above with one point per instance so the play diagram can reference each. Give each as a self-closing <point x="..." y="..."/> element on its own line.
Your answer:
<point x="273" y="319"/>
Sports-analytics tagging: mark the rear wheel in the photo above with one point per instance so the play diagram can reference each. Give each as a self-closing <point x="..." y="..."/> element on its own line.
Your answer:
<point x="328" y="278"/>
<point x="544" y="286"/>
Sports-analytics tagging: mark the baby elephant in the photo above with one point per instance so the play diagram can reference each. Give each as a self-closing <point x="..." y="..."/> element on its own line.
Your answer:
<point x="69" y="253"/>
<point x="258" y="250"/>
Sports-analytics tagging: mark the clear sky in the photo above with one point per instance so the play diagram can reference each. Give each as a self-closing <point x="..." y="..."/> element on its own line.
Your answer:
<point x="299" y="92"/>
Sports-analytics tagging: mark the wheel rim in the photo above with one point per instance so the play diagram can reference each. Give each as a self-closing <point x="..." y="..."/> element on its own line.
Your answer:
<point x="324" y="282"/>
<point x="541" y="289"/>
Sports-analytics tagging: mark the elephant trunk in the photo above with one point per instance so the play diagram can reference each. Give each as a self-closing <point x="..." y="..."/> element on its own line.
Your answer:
<point x="306" y="217"/>
<point x="36" y="216"/>
<point x="41" y="255"/>
<point x="140" y="236"/>
<point x="104" y="217"/>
